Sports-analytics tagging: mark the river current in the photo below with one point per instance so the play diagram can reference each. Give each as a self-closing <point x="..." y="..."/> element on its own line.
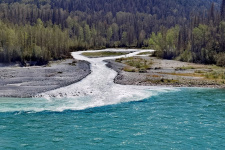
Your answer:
<point x="98" y="114"/>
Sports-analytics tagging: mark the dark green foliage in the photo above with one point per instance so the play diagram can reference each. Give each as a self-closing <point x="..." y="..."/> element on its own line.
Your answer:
<point x="37" y="44"/>
<point x="42" y="30"/>
<point x="202" y="40"/>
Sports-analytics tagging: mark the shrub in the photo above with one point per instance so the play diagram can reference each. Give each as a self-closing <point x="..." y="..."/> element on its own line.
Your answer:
<point x="220" y="59"/>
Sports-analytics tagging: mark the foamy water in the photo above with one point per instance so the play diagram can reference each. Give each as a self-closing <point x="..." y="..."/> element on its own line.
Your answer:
<point x="98" y="88"/>
<point x="169" y="118"/>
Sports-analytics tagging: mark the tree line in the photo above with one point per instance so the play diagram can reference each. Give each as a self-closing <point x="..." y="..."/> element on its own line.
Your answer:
<point x="43" y="30"/>
<point x="35" y="43"/>
<point x="201" y="40"/>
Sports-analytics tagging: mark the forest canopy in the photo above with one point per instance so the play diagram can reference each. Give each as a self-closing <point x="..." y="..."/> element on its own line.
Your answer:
<point x="43" y="30"/>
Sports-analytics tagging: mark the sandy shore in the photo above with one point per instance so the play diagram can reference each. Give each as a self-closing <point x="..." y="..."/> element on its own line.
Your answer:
<point x="29" y="81"/>
<point x="167" y="73"/>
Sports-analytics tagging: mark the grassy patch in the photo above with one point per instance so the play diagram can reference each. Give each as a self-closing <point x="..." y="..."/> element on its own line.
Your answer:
<point x="136" y="63"/>
<point x="199" y="71"/>
<point x="163" y="81"/>
<point x="103" y="54"/>
<point x="183" y="74"/>
<point x="129" y="69"/>
<point x="215" y="75"/>
<point x="184" y="68"/>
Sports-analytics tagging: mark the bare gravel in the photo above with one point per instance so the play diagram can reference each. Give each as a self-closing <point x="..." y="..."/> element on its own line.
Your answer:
<point x="165" y="73"/>
<point x="28" y="81"/>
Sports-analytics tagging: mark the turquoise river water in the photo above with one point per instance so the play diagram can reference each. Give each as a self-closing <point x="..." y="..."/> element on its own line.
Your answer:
<point x="186" y="118"/>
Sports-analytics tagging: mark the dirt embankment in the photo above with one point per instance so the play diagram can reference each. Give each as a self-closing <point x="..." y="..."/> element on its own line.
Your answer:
<point x="29" y="81"/>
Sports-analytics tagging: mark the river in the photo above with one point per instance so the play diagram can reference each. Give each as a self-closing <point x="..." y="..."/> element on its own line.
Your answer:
<point x="96" y="113"/>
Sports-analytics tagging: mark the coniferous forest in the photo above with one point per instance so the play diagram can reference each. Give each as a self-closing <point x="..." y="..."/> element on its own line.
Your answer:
<point x="43" y="30"/>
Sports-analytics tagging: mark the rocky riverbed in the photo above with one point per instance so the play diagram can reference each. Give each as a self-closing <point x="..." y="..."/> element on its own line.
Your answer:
<point x="169" y="73"/>
<point x="28" y="81"/>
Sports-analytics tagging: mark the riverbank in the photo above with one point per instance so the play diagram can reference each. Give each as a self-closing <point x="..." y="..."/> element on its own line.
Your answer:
<point x="28" y="81"/>
<point x="132" y="70"/>
<point x="168" y="73"/>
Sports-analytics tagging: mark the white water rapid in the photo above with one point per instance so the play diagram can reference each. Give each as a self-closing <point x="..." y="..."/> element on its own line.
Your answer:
<point x="98" y="88"/>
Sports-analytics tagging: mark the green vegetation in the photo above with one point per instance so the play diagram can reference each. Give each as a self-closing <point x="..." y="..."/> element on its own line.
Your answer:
<point x="218" y="74"/>
<point x="183" y="74"/>
<point x="202" y="40"/>
<point x="199" y="71"/>
<point x="103" y="54"/>
<point x="36" y="31"/>
<point x="129" y="69"/>
<point x="162" y="81"/>
<point x="185" y="68"/>
<point x="33" y="43"/>
<point x="135" y="64"/>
